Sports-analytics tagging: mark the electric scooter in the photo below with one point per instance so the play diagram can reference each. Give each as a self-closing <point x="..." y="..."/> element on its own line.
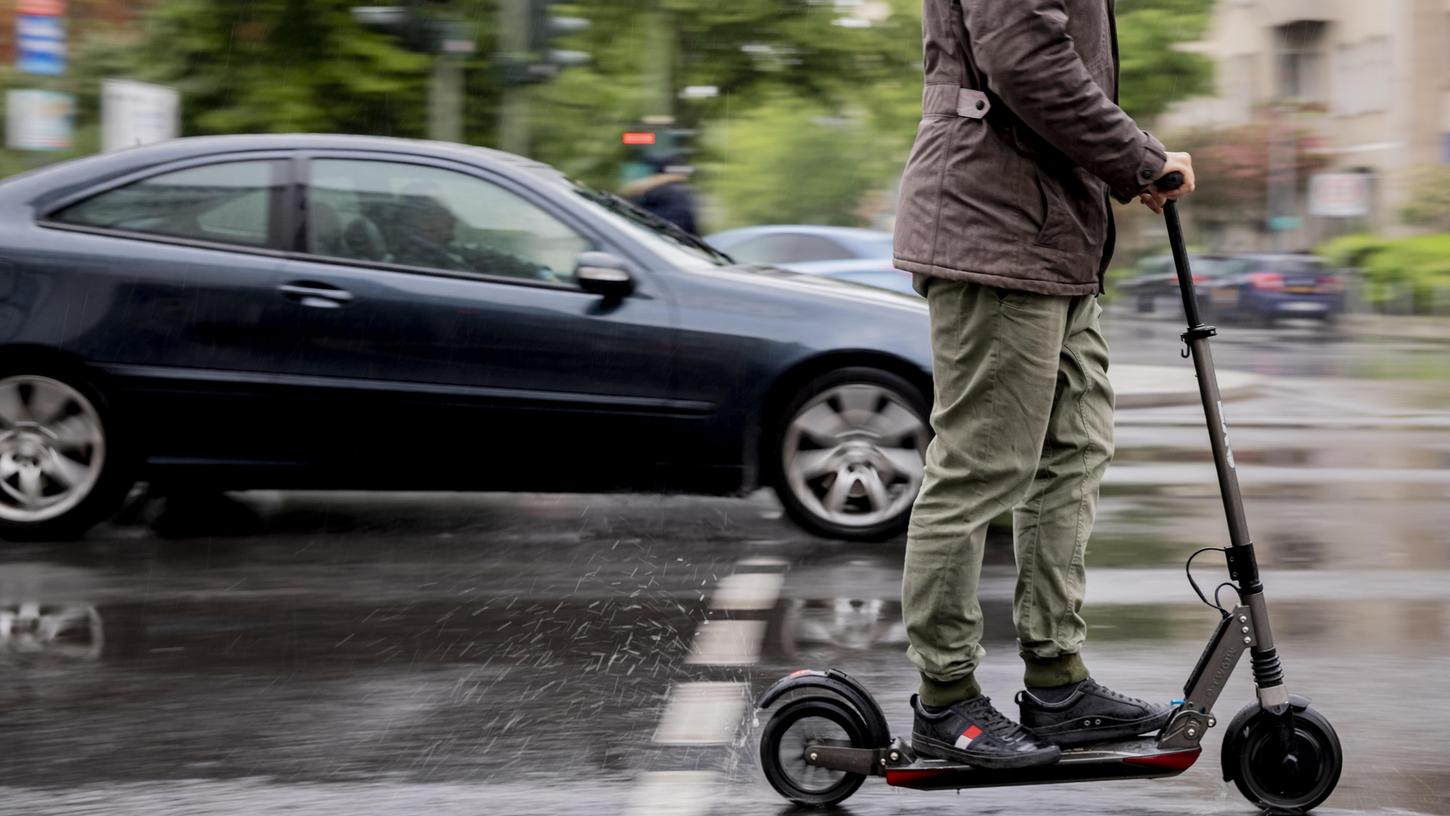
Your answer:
<point x="829" y="734"/>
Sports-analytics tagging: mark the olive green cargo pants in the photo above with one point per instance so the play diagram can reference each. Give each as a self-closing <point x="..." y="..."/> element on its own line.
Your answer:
<point x="1023" y="415"/>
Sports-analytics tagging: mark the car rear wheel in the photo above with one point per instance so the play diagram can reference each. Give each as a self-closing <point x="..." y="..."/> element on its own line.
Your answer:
<point x="849" y="454"/>
<point x="60" y="471"/>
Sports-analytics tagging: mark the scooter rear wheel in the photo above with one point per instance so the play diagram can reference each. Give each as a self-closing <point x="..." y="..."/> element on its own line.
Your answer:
<point x="783" y="743"/>
<point x="1295" y="780"/>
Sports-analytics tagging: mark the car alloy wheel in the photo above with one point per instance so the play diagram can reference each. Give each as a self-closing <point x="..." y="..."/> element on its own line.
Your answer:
<point x="853" y="455"/>
<point x="52" y="449"/>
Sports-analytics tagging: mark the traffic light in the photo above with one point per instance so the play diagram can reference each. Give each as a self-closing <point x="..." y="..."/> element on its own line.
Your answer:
<point x="417" y="30"/>
<point x="539" y="60"/>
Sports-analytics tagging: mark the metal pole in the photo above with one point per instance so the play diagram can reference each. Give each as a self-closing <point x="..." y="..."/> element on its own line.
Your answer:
<point x="513" y="114"/>
<point x="445" y="98"/>
<point x="659" y="64"/>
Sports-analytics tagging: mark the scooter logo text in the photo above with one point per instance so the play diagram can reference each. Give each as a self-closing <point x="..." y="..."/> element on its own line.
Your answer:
<point x="1223" y="430"/>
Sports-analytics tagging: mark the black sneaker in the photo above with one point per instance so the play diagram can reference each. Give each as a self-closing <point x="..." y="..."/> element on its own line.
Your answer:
<point x="1090" y="713"/>
<point x="975" y="733"/>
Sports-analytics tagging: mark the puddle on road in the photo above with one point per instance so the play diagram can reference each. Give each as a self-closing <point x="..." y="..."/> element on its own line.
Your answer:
<point x="1308" y="528"/>
<point x="424" y="691"/>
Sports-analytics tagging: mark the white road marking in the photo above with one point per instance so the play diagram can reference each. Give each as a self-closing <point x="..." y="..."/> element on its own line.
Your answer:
<point x="765" y="561"/>
<point x="748" y="591"/>
<point x="727" y="643"/>
<point x="673" y="793"/>
<point x="704" y="713"/>
<point x="708" y="712"/>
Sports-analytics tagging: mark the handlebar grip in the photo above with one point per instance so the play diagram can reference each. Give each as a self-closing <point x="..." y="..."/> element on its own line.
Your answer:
<point x="1170" y="182"/>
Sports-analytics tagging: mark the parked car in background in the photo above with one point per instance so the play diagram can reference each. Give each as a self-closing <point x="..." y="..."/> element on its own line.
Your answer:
<point x="1155" y="280"/>
<point x="844" y="253"/>
<point x="298" y="311"/>
<point x="1246" y="288"/>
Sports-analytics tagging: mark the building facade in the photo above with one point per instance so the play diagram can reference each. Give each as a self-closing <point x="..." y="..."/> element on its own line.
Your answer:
<point x="1371" y="78"/>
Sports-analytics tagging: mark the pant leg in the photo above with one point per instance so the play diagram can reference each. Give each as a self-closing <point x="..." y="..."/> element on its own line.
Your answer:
<point x="995" y="358"/>
<point x="1053" y="522"/>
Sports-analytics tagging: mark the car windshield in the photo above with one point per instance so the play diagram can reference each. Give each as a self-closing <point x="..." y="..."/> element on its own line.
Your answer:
<point x="666" y="239"/>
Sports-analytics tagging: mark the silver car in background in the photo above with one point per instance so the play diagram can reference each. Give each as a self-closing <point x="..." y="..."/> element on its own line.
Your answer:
<point x="845" y="253"/>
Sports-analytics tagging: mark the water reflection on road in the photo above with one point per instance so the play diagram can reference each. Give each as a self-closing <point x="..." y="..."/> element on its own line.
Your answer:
<point x="448" y="654"/>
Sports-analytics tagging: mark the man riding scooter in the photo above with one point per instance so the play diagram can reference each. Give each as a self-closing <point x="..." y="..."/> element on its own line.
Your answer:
<point x="1005" y="222"/>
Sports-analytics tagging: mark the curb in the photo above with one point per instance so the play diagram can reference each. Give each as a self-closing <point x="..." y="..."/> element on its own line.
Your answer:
<point x="1429" y="329"/>
<point x="1140" y="386"/>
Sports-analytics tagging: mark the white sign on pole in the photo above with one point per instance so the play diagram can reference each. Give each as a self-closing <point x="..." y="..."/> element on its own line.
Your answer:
<point x="39" y="120"/>
<point x="1339" y="195"/>
<point x="137" y="113"/>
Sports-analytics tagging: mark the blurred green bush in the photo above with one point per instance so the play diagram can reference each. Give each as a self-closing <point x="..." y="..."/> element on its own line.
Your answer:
<point x="1401" y="275"/>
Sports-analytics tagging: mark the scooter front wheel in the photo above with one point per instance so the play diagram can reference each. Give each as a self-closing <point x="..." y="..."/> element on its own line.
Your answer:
<point x="1283" y="772"/>
<point x="787" y="738"/>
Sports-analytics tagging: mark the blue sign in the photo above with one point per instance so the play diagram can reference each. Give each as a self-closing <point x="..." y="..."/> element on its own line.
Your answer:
<point x="40" y="44"/>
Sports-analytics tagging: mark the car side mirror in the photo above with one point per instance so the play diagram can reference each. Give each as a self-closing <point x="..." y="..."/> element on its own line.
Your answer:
<point x="603" y="274"/>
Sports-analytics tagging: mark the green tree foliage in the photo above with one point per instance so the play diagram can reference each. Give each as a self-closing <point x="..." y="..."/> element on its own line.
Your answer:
<point x="1155" y="72"/>
<point x="280" y="66"/>
<point x="789" y="76"/>
<point x="791" y="161"/>
<point x="752" y="51"/>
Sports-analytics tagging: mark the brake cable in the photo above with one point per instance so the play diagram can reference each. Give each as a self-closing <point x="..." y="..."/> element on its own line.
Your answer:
<point x="1230" y="585"/>
<point x="1188" y="570"/>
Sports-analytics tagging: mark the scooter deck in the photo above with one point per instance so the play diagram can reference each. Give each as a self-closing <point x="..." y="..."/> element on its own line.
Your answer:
<point x="1120" y="759"/>
<point x="1127" y="759"/>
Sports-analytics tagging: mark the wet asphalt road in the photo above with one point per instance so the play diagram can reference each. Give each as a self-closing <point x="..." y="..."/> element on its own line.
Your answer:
<point x="452" y="654"/>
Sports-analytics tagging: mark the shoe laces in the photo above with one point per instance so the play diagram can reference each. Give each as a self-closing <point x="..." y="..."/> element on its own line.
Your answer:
<point x="994" y="721"/>
<point x="1109" y="693"/>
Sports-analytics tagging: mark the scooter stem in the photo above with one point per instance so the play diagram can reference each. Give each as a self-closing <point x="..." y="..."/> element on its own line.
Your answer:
<point x="1180" y="264"/>
<point x="1197" y="340"/>
<point x="1242" y="563"/>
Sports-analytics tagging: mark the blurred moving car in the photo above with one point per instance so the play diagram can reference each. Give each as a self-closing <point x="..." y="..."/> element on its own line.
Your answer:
<point x="1249" y="288"/>
<point x="353" y="312"/>
<point x="845" y="253"/>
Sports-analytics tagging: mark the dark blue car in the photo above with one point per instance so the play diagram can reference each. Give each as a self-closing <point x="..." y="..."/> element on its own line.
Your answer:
<point x="1245" y="288"/>
<point x="1264" y="288"/>
<point x="351" y="312"/>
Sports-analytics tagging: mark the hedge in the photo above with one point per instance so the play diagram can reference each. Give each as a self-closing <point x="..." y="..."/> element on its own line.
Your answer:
<point x="1396" y="269"/>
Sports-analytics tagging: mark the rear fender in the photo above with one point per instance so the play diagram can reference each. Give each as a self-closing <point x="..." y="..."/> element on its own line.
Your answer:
<point x="838" y="684"/>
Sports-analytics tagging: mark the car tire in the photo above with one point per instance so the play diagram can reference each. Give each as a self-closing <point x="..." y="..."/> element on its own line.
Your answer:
<point x="1145" y="304"/>
<point x="847" y="453"/>
<point x="62" y="467"/>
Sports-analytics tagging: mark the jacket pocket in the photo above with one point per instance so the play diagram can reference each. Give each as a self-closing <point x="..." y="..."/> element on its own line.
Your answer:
<point x="1056" y="220"/>
<point x="1075" y="219"/>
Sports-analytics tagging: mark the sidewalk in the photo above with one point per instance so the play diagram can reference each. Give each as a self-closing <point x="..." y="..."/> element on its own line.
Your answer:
<point x="1398" y="327"/>
<point x="1143" y="386"/>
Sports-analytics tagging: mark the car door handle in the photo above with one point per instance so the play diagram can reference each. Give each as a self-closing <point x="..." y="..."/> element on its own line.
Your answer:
<point x="316" y="295"/>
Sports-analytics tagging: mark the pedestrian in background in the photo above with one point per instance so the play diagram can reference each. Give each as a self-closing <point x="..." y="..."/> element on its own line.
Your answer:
<point x="666" y="192"/>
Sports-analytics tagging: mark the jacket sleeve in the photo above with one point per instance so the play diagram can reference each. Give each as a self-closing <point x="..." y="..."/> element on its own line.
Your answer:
<point x="1023" y="48"/>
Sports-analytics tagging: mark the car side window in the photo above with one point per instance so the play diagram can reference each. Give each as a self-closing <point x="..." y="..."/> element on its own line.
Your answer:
<point x="788" y="247"/>
<point x="228" y="203"/>
<point x="416" y="215"/>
